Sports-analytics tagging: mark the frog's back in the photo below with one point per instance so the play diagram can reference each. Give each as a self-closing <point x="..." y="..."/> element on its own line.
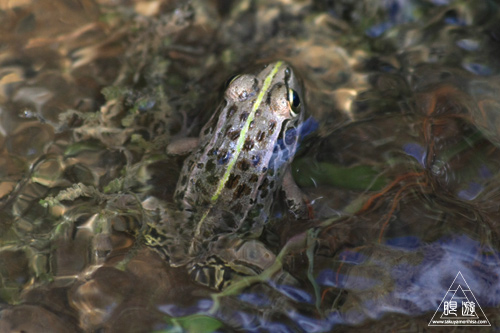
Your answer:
<point x="228" y="182"/>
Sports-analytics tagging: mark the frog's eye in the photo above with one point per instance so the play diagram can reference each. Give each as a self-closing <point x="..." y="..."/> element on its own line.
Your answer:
<point x="294" y="100"/>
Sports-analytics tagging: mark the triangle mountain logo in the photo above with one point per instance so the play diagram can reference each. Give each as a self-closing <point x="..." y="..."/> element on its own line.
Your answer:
<point x="459" y="307"/>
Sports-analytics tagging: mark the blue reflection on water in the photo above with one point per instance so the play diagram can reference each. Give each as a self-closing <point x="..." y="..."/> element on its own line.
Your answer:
<point x="440" y="2"/>
<point x="416" y="151"/>
<point x="404" y="275"/>
<point x="309" y="324"/>
<point x="399" y="11"/>
<point x="485" y="172"/>
<point x="308" y="126"/>
<point x="328" y="278"/>
<point x="409" y="242"/>
<point x="471" y="192"/>
<point x="474" y="188"/>
<point x="477" y="68"/>
<point x="257" y="299"/>
<point x="468" y="44"/>
<point x="174" y="310"/>
<point x="277" y="327"/>
<point x="293" y="293"/>
<point x="378" y="29"/>
<point x="420" y="279"/>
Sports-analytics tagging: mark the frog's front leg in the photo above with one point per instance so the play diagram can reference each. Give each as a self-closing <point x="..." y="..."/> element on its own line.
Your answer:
<point x="295" y="199"/>
<point x="182" y="146"/>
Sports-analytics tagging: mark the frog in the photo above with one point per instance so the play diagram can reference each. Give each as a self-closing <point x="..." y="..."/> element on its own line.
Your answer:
<point x="232" y="173"/>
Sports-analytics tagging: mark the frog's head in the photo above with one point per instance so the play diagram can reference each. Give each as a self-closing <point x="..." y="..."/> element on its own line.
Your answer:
<point x="274" y="85"/>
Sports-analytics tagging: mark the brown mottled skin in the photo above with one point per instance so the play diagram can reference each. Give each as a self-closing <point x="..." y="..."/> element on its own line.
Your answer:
<point x="219" y="203"/>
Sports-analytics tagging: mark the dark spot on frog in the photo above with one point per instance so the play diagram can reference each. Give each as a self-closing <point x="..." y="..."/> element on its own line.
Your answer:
<point x="253" y="213"/>
<point x="264" y="193"/>
<point x="184" y="180"/>
<point x="243" y="165"/>
<point x="224" y="156"/>
<point x="290" y="203"/>
<point x="255" y="160"/>
<point x="179" y="195"/>
<point x="213" y="151"/>
<point x="190" y="165"/>
<point x="258" y="113"/>
<point x="241" y="191"/>
<point x="272" y="126"/>
<point x="271" y="185"/>
<point x="200" y="186"/>
<point x="244" y="116"/>
<point x="212" y="180"/>
<point x="233" y="180"/>
<point x="253" y="178"/>
<point x="255" y="84"/>
<point x="234" y="135"/>
<point x="207" y="131"/>
<point x="236" y="209"/>
<point x="271" y="172"/>
<point x="232" y="110"/>
<point x="264" y="184"/>
<point x="210" y="166"/>
<point x="199" y="165"/>
<point x="251" y="124"/>
<point x="248" y="145"/>
<point x="260" y="136"/>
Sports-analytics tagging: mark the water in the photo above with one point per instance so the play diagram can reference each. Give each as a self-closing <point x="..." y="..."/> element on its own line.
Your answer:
<point x="399" y="164"/>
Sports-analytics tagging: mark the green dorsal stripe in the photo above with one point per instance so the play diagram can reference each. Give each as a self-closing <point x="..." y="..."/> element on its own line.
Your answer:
<point x="244" y="130"/>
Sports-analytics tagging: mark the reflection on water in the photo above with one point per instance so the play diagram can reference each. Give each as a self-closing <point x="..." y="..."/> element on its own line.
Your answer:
<point x="414" y="276"/>
<point x="403" y="276"/>
<point x="398" y="161"/>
